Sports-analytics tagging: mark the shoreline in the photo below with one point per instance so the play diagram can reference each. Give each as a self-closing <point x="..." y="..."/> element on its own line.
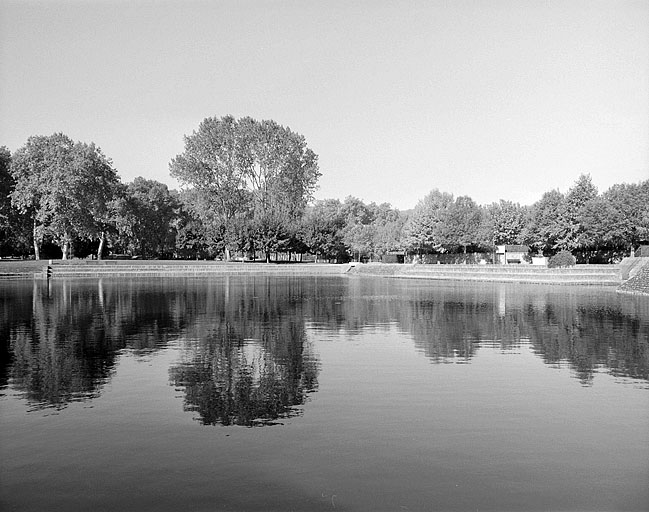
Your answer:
<point x="580" y="275"/>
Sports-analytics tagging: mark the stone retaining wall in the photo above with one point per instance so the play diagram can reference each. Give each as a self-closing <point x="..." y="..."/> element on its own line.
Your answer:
<point x="639" y="283"/>
<point x="182" y="269"/>
<point x="608" y="275"/>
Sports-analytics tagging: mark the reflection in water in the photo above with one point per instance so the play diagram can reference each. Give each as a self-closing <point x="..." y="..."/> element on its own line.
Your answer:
<point x="587" y="328"/>
<point x="226" y="381"/>
<point x="249" y="363"/>
<point x="246" y="356"/>
<point x="63" y="338"/>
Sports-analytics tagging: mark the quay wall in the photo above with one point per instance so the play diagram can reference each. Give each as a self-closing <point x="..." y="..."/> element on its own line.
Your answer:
<point x="638" y="282"/>
<point x="149" y="268"/>
<point x="631" y="276"/>
<point x="600" y="275"/>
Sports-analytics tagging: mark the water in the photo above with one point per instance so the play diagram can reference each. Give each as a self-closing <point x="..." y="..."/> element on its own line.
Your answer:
<point x="323" y="393"/>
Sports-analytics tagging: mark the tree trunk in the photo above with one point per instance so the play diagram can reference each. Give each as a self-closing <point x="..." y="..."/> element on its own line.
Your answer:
<point x="66" y="246"/>
<point x="102" y="243"/>
<point x="267" y="257"/>
<point x="37" y="251"/>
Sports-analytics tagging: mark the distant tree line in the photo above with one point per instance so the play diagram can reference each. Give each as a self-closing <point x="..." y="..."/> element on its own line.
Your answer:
<point x="248" y="191"/>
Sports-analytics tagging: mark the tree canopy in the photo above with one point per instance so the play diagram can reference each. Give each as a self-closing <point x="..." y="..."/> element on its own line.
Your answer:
<point x="248" y="187"/>
<point x="251" y="178"/>
<point x="64" y="187"/>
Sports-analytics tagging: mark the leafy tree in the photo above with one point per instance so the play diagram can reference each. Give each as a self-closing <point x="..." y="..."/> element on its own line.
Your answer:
<point x="249" y="172"/>
<point x="571" y="231"/>
<point x="601" y="225"/>
<point x="388" y="236"/>
<point x="544" y="227"/>
<point x="424" y="231"/>
<point x="359" y="231"/>
<point x="322" y="230"/>
<point x="6" y="186"/>
<point x="145" y="220"/>
<point x="506" y="222"/>
<point x="462" y="224"/>
<point x="64" y="187"/>
<point x="630" y="202"/>
<point x="14" y="230"/>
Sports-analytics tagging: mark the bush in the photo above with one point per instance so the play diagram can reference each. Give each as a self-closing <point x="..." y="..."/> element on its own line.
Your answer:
<point x="562" y="259"/>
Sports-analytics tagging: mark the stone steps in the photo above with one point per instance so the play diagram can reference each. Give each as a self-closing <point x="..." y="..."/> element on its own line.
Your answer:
<point x="145" y="269"/>
<point x="639" y="283"/>
<point x="607" y="275"/>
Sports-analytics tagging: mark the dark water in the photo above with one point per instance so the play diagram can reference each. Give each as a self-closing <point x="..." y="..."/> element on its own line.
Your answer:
<point x="328" y="393"/>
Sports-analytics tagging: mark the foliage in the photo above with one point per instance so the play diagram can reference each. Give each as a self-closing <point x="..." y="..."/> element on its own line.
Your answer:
<point x="505" y="222"/>
<point x="248" y="186"/>
<point x="251" y="178"/>
<point x="629" y="214"/>
<point x="544" y="228"/>
<point x="15" y="230"/>
<point x="571" y="231"/>
<point x="64" y="187"/>
<point x="462" y="226"/>
<point x="145" y="219"/>
<point x="425" y="229"/>
<point x="562" y="259"/>
<point x="322" y="230"/>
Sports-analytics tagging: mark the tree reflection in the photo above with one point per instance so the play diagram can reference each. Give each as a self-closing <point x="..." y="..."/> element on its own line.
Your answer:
<point x="64" y="342"/>
<point x="585" y="329"/>
<point x="246" y="355"/>
<point x="254" y="366"/>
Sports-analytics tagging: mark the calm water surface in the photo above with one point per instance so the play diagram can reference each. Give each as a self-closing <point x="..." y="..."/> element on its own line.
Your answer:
<point x="327" y="393"/>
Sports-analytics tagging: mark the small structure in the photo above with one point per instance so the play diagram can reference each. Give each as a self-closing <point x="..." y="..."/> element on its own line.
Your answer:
<point x="508" y="254"/>
<point x="642" y="250"/>
<point x="393" y="257"/>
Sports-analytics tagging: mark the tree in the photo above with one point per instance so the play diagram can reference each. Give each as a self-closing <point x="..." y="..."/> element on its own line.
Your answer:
<point x="544" y="227"/>
<point x="630" y="202"/>
<point x="424" y="231"/>
<point x="322" y="230"/>
<point x="6" y="186"/>
<point x="145" y="219"/>
<point x="14" y="231"/>
<point x="257" y="172"/>
<point x="507" y="221"/>
<point x="571" y="231"/>
<point x="462" y="224"/>
<point x="389" y="225"/>
<point x="64" y="187"/>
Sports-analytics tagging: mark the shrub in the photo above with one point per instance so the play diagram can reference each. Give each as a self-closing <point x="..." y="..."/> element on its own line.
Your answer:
<point x="562" y="259"/>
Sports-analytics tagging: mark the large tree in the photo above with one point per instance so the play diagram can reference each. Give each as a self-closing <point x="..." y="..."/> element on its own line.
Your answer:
<point x="630" y="218"/>
<point x="145" y="219"/>
<point x="571" y="234"/>
<point x="425" y="229"/>
<point x="322" y="230"/>
<point x="506" y="222"/>
<point x="64" y="187"/>
<point x="463" y="225"/>
<point x="248" y="173"/>
<point x="544" y="228"/>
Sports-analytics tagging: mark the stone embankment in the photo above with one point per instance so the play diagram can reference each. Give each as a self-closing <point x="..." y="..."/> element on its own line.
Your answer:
<point x="630" y="276"/>
<point x="637" y="281"/>
<point x="601" y="275"/>
<point x="134" y="268"/>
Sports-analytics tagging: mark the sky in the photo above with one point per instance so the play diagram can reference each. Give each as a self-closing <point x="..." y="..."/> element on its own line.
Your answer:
<point x="494" y="99"/>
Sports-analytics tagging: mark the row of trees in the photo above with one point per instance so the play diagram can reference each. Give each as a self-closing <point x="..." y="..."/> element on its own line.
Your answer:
<point x="248" y="188"/>
<point x="580" y="220"/>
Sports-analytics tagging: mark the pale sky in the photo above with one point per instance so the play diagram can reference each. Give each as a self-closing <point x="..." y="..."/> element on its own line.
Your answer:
<point x="495" y="99"/>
